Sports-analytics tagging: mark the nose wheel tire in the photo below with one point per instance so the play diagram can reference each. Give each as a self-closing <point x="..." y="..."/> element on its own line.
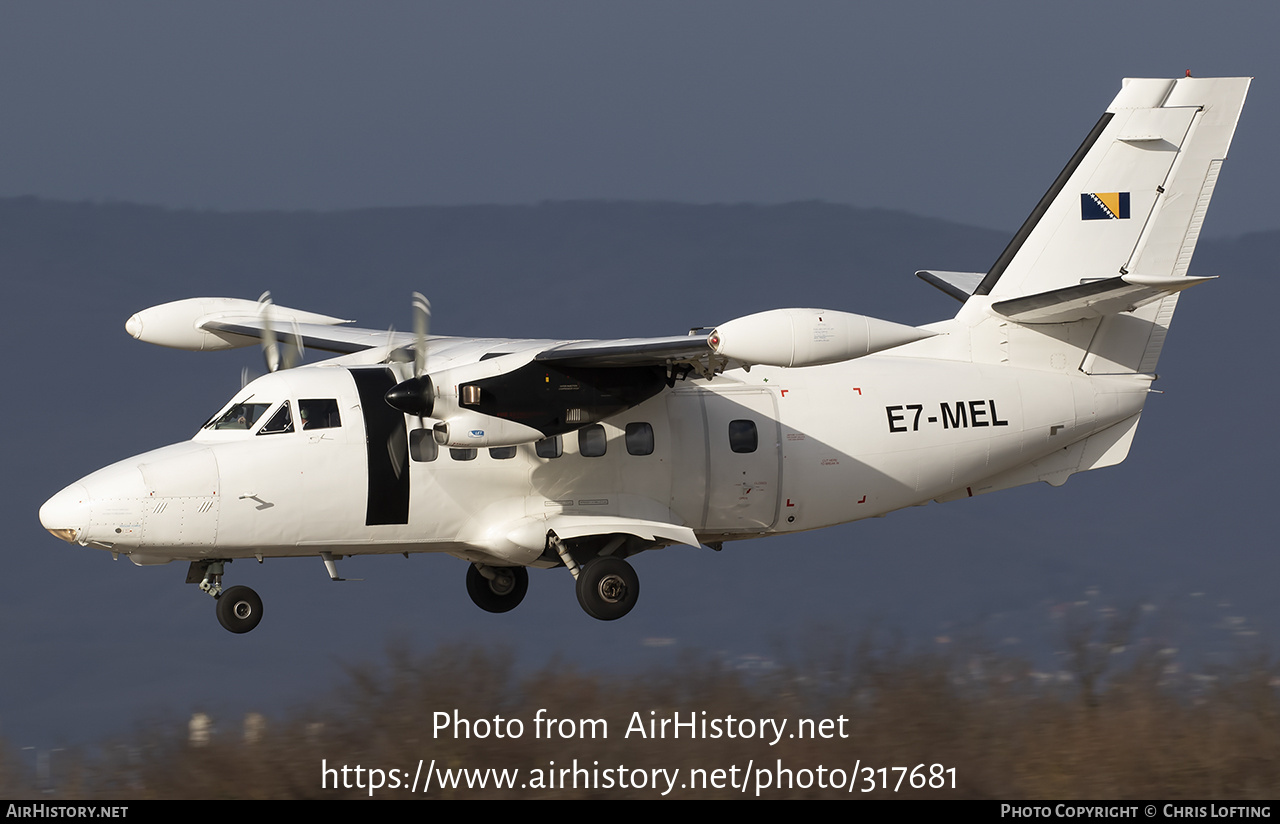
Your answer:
<point x="502" y="593"/>
<point x="608" y="588"/>
<point x="239" y="609"/>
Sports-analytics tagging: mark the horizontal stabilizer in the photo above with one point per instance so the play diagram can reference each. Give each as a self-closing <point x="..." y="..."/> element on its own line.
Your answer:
<point x="959" y="285"/>
<point x="1094" y="299"/>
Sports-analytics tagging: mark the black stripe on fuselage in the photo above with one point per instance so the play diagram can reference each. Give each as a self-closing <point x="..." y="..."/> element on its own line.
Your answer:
<point x="1002" y="262"/>
<point x="386" y="447"/>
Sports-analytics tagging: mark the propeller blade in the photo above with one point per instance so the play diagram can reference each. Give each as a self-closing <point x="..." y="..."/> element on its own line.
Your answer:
<point x="397" y="449"/>
<point x="421" y="325"/>
<point x="292" y="350"/>
<point x="270" y="346"/>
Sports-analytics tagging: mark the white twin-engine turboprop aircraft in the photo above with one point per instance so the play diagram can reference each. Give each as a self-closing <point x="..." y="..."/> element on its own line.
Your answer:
<point x="579" y="454"/>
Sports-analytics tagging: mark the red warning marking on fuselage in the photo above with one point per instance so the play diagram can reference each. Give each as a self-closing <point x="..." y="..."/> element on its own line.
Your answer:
<point x="864" y="500"/>
<point x="784" y="393"/>
<point x="858" y="389"/>
<point x="789" y="502"/>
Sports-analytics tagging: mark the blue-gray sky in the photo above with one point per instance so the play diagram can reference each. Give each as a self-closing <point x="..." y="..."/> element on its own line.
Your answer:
<point x="956" y="110"/>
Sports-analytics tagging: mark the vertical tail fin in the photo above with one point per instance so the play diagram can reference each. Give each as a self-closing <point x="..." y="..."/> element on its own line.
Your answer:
<point x="1130" y="202"/>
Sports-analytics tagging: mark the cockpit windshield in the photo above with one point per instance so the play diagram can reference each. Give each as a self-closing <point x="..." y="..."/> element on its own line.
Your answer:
<point x="280" y="422"/>
<point x="239" y="416"/>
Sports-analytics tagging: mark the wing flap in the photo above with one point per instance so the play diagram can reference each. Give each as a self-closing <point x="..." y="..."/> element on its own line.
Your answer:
<point x="628" y="351"/>
<point x="343" y="340"/>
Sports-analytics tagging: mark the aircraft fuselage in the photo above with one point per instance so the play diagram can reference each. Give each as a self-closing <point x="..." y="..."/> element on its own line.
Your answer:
<point x="769" y="451"/>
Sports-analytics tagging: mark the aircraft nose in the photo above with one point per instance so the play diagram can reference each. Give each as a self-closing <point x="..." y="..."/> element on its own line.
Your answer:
<point x="66" y="515"/>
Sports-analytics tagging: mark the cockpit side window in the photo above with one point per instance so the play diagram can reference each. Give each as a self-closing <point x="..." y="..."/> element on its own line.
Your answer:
<point x="279" y="423"/>
<point x="319" y="414"/>
<point x="239" y="416"/>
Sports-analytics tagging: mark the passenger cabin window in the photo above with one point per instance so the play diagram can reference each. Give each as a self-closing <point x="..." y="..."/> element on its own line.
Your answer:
<point x="319" y="414"/>
<point x="462" y="454"/>
<point x="592" y="441"/>
<point x="502" y="453"/>
<point x="639" y="438"/>
<point x="422" y="445"/>
<point x="279" y="423"/>
<point x="239" y="416"/>
<point x="549" y="447"/>
<point x="742" y="436"/>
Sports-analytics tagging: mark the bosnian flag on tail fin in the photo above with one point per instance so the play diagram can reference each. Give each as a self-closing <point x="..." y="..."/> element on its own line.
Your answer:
<point x="1104" y="206"/>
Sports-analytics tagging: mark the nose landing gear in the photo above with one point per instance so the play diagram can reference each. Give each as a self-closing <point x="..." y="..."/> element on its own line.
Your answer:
<point x="239" y="609"/>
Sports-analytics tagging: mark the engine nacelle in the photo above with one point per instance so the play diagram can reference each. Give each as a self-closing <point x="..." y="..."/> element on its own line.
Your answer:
<point x="808" y="337"/>
<point x="471" y="430"/>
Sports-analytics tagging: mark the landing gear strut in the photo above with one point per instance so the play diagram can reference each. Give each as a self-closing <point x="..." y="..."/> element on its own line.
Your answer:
<point x="497" y="589"/>
<point x="607" y="588"/>
<point x="239" y="609"/>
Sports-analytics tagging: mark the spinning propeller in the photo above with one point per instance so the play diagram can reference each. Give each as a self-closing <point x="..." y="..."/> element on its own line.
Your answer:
<point x="416" y="396"/>
<point x="278" y="356"/>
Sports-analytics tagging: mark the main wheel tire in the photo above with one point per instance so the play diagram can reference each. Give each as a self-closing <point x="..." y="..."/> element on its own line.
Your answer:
<point x="502" y="594"/>
<point x="239" y="609"/>
<point x="608" y="588"/>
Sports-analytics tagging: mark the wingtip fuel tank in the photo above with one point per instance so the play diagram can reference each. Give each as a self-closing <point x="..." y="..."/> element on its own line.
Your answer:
<point x="808" y="337"/>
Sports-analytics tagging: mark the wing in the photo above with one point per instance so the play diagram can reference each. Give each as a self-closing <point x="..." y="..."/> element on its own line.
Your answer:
<point x="204" y="324"/>
<point x="779" y="337"/>
<point x="228" y="323"/>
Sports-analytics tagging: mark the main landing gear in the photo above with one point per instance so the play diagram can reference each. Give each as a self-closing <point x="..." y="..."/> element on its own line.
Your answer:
<point x="497" y="589"/>
<point x="607" y="588"/>
<point x="239" y="609"/>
